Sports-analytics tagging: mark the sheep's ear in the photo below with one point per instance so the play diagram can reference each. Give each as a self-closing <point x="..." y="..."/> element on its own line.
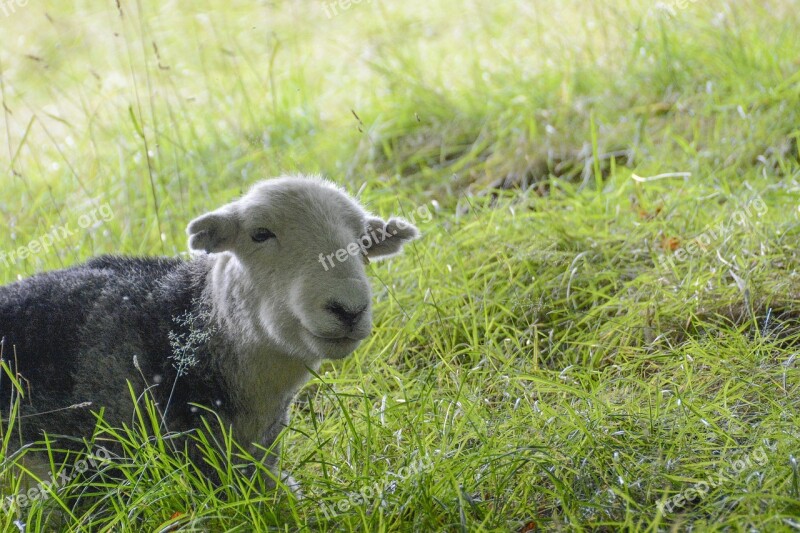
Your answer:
<point x="214" y="232"/>
<point x="388" y="238"/>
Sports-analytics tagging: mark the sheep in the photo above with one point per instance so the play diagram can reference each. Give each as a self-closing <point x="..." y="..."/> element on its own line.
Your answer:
<point x="237" y="328"/>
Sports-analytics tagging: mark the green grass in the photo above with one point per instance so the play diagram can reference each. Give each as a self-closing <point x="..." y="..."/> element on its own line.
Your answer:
<point x="541" y="355"/>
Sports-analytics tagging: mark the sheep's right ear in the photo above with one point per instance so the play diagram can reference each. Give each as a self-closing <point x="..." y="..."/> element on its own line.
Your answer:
<point x="214" y="232"/>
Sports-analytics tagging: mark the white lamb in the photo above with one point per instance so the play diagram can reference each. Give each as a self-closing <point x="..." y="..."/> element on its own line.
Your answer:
<point x="278" y="286"/>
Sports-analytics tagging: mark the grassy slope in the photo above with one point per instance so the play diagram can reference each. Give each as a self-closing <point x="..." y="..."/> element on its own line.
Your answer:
<point x="535" y="348"/>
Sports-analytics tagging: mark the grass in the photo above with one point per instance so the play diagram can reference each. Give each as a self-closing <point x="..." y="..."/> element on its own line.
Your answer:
<point x="573" y="345"/>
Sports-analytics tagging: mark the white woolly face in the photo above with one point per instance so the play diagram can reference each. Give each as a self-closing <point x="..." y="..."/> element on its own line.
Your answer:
<point x="303" y="244"/>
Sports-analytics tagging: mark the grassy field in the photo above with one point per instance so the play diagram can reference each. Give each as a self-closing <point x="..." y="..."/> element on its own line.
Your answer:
<point x="598" y="330"/>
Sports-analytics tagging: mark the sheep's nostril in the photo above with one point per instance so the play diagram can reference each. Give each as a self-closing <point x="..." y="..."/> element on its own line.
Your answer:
<point x="346" y="315"/>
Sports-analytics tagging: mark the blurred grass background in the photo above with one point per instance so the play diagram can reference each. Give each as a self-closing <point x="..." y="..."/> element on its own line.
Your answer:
<point x="543" y="343"/>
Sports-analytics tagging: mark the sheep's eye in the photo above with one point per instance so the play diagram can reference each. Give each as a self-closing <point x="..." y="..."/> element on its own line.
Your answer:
<point x="262" y="234"/>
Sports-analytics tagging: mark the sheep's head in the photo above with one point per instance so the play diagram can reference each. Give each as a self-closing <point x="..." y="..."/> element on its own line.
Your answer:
<point x="302" y="244"/>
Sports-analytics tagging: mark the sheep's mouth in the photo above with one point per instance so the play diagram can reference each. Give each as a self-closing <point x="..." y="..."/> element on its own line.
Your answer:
<point x="335" y="347"/>
<point x="336" y="340"/>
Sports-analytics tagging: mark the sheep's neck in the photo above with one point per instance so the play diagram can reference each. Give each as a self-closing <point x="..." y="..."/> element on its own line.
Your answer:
<point x="264" y="376"/>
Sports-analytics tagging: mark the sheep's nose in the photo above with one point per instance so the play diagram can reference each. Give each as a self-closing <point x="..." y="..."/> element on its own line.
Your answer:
<point x="346" y="315"/>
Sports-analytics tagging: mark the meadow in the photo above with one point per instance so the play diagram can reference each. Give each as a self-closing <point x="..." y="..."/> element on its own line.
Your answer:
<point x="596" y="331"/>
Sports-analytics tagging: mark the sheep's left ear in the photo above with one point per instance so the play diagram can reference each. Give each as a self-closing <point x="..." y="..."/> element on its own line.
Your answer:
<point x="388" y="238"/>
<point x="214" y="232"/>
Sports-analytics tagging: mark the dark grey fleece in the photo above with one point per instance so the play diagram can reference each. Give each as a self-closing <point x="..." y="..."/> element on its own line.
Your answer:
<point x="72" y="335"/>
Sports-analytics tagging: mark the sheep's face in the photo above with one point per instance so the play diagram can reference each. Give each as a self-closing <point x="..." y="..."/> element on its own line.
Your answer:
<point x="302" y="245"/>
